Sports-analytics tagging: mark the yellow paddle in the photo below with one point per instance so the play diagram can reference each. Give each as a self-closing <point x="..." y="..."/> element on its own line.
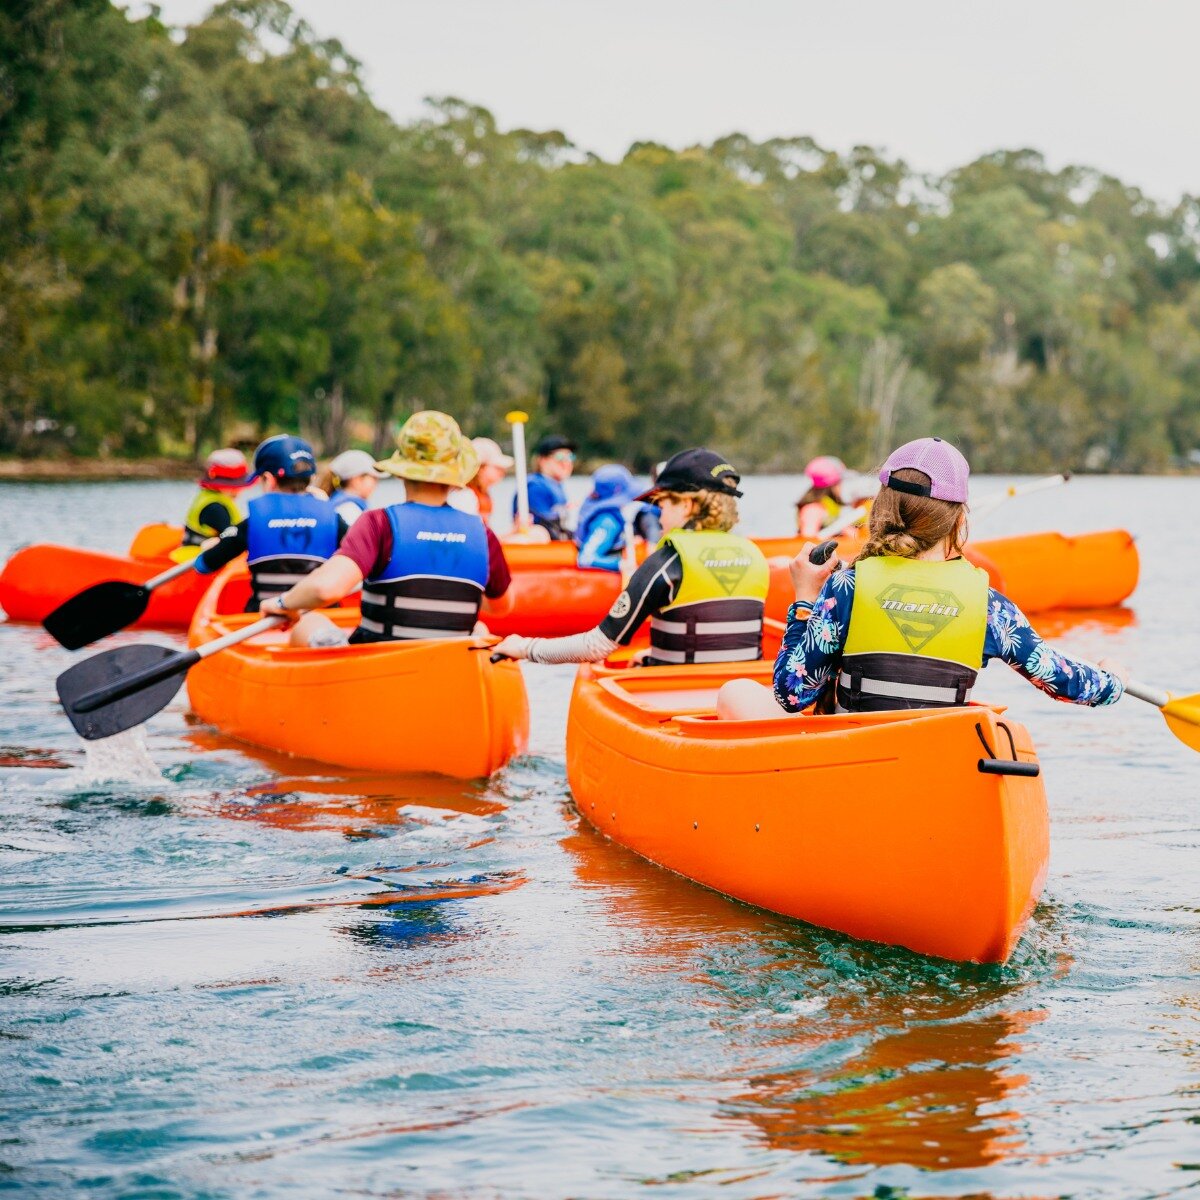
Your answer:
<point x="1181" y="713"/>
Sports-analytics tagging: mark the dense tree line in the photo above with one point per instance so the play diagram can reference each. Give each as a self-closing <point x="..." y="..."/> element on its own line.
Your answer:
<point x="213" y="233"/>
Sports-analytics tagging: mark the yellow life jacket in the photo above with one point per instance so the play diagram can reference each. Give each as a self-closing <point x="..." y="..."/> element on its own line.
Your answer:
<point x="916" y="635"/>
<point x="195" y="531"/>
<point x="717" y="614"/>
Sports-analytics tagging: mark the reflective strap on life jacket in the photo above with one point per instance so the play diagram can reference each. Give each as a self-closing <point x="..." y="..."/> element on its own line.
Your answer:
<point x="916" y="635"/>
<point x="194" y="530"/>
<point x="274" y="576"/>
<point x="419" y="608"/>
<point x="708" y="631"/>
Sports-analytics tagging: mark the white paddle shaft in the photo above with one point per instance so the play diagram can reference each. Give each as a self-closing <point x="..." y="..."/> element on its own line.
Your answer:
<point x="169" y="574"/>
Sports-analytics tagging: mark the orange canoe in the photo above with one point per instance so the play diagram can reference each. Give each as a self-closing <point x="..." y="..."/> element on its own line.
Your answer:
<point x="37" y="579"/>
<point x="436" y="705"/>
<point x="1042" y="571"/>
<point x="909" y="828"/>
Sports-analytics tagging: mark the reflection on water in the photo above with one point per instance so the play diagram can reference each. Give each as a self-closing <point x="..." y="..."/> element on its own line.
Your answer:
<point x="242" y="974"/>
<point x="917" y="1097"/>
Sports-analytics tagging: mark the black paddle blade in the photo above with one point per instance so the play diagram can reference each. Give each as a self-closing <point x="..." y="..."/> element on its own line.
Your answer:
<point x="114" y="691"/>
<point x="96" y="612"/>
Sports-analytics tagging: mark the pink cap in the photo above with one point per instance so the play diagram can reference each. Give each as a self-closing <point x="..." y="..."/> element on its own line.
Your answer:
<point x="948" y="471"/>
<point x="825" y="471"/>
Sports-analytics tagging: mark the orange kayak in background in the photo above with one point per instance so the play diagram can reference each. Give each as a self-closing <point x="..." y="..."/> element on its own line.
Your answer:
<point x="437" y="705"/>
<point x="38" y="578"/>
<point x="1041" y="571"/>
<point x="924" y="829"/>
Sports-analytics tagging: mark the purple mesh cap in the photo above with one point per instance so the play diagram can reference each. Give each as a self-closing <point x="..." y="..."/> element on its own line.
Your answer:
<point x="948" y="471"/>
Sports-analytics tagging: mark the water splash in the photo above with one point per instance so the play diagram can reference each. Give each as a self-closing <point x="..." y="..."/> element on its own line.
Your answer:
<point x="122" y="758"/>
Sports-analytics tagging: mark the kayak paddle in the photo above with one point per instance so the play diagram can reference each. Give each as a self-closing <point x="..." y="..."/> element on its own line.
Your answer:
<point x="517" y="420"/>
<point x="1181" y="713"/>
<point x="105" y="608"/>
<point x="118" y="689"/>
<point x="847" y="520"/>
<point x="988" y="504"/>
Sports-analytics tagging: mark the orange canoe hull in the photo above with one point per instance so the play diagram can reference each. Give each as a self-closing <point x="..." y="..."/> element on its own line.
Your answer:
<point x="437" y="706"/>
<point x="37" y="579"/>
<point x="880" y="826"/>
<point x="1042" y="571"/>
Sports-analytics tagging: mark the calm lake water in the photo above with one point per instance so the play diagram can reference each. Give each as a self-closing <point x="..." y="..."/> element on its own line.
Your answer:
<point x="200" y="1000"/>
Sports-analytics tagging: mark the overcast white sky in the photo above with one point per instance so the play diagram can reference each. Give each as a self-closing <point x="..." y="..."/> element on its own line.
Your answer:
<point x="1112" y="84"/>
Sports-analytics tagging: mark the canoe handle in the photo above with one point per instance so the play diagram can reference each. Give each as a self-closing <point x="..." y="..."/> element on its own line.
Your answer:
<point x="1005" y="766"/>
<point x="1009" y="766"/>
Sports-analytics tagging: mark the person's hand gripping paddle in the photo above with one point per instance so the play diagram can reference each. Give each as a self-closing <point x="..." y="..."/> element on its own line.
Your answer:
<point x="118" y="689"/>
<point x="105" y="608"/>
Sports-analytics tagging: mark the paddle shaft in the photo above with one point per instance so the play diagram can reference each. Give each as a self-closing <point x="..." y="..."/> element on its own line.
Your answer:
<point x="986" y="506"/>
<point x="1151" y="695"/>
<point x="172" y="666"/>
<point x="517" y="420"/>
<point x="171" y="573"/>
<point x="844" y="521"/>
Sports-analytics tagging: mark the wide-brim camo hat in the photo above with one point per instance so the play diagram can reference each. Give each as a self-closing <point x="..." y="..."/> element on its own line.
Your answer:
<point x="948" y="471"/>
<point x="430" y="448"/>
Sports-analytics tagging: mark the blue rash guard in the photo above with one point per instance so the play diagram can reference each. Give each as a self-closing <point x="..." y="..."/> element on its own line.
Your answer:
<point x="809" y="658"/>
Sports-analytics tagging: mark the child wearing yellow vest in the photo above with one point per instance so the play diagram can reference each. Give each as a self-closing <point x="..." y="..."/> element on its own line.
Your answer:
<point x="911" y="623"/>
<point x="213" y="509"/>
<point x="703" y="588"/>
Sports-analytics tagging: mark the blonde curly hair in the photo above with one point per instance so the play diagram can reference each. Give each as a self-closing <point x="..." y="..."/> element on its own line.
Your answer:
<point x="714" y="510"/>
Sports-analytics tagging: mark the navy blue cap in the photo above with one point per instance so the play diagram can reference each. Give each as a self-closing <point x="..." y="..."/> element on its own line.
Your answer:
<point x="696" y="470"/>
<point x="285" y="457"/>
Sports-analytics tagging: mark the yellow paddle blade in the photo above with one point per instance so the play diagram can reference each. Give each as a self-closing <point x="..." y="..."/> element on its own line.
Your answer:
<point x="1182" y="715"/>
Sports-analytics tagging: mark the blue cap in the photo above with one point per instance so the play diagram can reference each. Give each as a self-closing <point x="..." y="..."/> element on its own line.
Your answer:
<point x="285" y="457"/>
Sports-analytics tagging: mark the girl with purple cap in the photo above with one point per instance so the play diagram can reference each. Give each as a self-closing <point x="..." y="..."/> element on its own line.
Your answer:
<point x="911" y="623"/>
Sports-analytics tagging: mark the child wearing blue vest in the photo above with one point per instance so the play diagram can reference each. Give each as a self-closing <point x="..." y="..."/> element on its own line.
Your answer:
<point x="424" y="567"/>
<point x="287" y="532"/>
<point x="600" y="534"/>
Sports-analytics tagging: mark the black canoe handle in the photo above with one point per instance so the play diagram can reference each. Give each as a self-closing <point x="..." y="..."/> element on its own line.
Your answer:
<point x="1009" y="766"/>
<point x="1005" y="766"/>
<point x="820" y="555"/>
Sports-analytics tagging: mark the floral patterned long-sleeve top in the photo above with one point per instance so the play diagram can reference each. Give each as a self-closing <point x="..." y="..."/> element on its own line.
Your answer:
<point x="811" y="653"/>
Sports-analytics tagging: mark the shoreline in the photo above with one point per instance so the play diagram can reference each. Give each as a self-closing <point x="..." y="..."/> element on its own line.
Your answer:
<point x="94" y="470"/>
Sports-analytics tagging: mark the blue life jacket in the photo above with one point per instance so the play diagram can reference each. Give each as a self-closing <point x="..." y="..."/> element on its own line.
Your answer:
<point x="287" y="536"/>
<point x="341" y="497"/>
<point x="601" y="548"/>
<point x="547" y="505"/>
<point x="432" y="585"/>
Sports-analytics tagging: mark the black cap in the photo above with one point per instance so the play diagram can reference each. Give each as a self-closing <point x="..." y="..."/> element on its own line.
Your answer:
<point x="552" y="442"/>
<point x="695" y="471"/>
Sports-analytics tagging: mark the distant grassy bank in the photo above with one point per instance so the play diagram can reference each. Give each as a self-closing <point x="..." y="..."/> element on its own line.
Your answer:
<point x="93" y="470"/>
